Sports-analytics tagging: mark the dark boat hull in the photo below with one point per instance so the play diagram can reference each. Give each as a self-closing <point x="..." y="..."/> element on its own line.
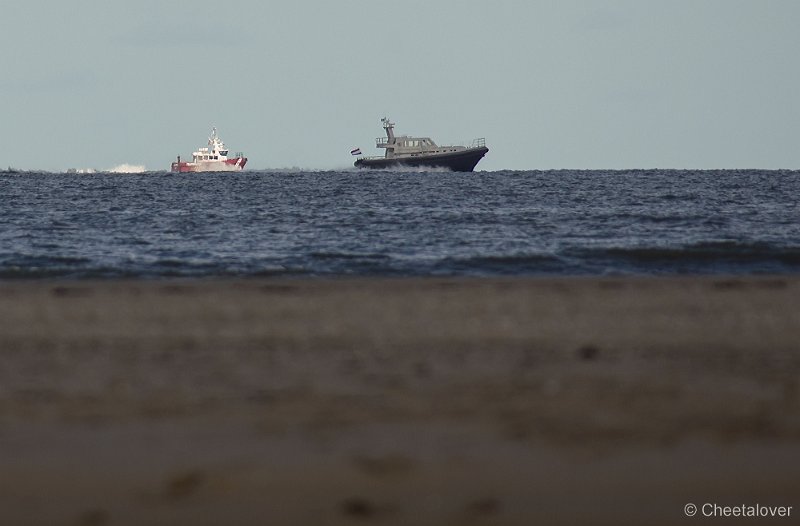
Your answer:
<point x="461" y="161"/>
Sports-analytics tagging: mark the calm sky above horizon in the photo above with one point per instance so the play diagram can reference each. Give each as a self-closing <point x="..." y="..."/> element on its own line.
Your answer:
<point x="549" y="84"/>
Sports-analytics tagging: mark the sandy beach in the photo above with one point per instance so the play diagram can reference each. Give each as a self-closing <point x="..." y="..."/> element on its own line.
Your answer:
<point x="398" y="401"/>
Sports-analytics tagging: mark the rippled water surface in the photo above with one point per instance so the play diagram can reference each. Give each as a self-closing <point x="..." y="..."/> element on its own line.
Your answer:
<point x="399" y="223"/>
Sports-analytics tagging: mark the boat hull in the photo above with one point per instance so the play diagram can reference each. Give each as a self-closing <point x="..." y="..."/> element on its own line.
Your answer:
<point x="460" y="161"/>
<point x="229" y="165"/>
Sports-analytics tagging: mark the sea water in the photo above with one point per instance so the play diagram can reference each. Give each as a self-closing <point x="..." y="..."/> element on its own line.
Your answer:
<point x="384" y="223"/>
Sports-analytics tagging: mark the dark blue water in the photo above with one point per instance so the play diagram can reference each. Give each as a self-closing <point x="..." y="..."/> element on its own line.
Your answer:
<point x="399" y="223"/>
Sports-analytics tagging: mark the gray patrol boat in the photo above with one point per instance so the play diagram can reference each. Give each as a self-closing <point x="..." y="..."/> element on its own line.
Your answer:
<point x="422" y="152"/>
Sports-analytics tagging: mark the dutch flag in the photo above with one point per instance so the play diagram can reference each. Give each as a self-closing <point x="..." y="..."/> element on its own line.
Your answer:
<point x="355" y="151"/>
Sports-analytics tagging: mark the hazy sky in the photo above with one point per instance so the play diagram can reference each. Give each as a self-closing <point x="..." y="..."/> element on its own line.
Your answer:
<point x="549" y="84"/>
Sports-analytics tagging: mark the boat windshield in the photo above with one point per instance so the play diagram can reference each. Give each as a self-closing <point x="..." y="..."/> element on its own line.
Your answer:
<point x="223" y="152"/>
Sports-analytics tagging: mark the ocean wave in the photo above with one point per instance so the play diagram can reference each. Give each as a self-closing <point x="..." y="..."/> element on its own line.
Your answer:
<point x="27" y="260"/>
<point x="501" y="264"/>
<point x="348" y="256"/>
<point x="504" y="258"/>
<point x="16" y="272"/>
<point x="730" y="251"/>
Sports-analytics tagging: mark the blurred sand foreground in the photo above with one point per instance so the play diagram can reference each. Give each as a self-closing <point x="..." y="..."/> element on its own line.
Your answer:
<point x="410" y="401"/>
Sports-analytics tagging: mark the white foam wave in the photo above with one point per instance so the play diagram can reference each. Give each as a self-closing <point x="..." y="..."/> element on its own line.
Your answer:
<point x="126" y="168"/>
<point x="413" y="169"/>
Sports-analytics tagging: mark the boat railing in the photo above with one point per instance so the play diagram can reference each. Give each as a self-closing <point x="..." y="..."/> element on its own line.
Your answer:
<point x="381" y="141"/>
<point x="479" y="143"/>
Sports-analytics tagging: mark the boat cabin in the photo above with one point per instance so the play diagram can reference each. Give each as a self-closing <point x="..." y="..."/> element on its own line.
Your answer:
<point x="405" y="146"/>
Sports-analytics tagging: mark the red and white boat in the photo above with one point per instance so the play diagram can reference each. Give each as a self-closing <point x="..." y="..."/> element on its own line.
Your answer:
<point x="213" y="158"/>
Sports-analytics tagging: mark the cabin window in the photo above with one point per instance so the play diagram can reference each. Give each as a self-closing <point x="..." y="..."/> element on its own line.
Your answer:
<point x="223" y="152"/>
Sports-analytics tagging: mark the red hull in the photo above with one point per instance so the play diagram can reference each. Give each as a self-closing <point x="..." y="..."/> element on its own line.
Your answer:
<point x="229" y="165"/>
